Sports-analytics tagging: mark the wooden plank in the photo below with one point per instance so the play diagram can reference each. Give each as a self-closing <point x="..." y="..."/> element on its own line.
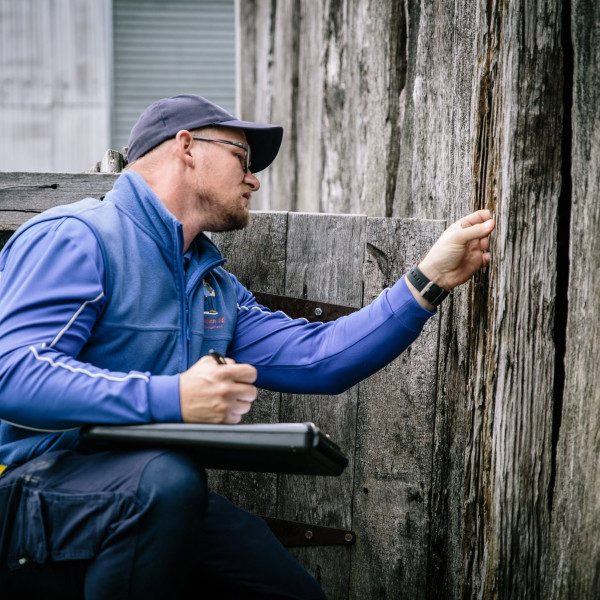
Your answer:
<point x="334" y="74"/>
<point x="266" y="90"/>
<point x="511" y="350"/>
<point x="574" y="567"/>
<point x="488" y="134"/>
<point x="324" y="262"/>
<point x="256" y="256"/>
<point x="22" y="195"/>
<point x="394" y="439"/>
<point x="437" y="155"/>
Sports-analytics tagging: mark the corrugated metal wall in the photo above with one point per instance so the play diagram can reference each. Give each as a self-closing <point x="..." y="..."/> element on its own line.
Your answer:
<point x="53" y="84"/>
<point x="163" y="48"/>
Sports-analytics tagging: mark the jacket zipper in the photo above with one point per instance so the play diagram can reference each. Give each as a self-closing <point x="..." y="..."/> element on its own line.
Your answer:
<point x="186" y="313"/>
<point x="184" y="299"/>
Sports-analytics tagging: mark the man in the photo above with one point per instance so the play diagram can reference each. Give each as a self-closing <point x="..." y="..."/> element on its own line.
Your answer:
<point x="102" y="321"/>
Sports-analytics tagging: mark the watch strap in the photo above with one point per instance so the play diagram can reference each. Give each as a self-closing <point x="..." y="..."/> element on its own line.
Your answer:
<point x="431" y="291"/>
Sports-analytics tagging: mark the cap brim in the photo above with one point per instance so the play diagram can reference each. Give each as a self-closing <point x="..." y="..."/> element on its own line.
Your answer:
<point x="264" y="141"/>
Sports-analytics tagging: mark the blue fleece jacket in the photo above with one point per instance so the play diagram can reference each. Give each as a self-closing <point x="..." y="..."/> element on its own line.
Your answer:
<point x="99" y="315"/>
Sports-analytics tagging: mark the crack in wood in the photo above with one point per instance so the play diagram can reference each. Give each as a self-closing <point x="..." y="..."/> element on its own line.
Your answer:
<point x="561" y="309"/>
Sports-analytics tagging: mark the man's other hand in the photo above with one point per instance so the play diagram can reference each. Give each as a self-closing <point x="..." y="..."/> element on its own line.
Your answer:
<point x="213" y="393"/>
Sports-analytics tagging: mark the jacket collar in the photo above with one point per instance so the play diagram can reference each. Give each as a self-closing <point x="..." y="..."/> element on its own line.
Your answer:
<point x="132" y="195"/>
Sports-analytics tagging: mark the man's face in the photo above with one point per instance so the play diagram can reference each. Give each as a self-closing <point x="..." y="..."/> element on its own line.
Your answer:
<point x="223" y="187"/>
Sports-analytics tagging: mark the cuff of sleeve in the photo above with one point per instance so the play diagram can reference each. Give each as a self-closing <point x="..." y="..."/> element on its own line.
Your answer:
<point x="164" y="399"/>
<point x="401" y="300"/>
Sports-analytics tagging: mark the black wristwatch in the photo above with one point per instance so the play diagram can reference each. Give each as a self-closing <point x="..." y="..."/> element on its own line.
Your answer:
<point x="432" y="292"/>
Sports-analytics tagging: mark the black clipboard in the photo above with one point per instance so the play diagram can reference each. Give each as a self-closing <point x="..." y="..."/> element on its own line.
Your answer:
<point x="293" y="448"/>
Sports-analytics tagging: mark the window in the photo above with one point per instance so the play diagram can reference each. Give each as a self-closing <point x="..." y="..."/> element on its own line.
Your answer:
<point x="166" y="47"/>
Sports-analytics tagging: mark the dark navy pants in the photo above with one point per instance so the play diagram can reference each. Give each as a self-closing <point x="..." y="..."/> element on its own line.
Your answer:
<point x="134" y="525"/>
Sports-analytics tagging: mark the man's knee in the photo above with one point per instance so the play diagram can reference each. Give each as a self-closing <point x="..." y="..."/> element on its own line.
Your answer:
<point x="174" y="487"/>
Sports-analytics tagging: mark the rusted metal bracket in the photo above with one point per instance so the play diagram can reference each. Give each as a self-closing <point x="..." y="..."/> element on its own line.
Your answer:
<point x="293" y="533"/>
<point x="306" y="309"/>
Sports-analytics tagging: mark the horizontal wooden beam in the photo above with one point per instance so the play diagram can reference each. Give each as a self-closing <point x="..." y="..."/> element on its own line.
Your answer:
<point x="22" y="195"/>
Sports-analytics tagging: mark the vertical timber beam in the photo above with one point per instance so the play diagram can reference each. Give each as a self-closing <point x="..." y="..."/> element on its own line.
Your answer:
<point x="394" y="439"/>
<point x="517" y="119"/>
<point x="574" y="570"/>
<point x="493" y="447"/>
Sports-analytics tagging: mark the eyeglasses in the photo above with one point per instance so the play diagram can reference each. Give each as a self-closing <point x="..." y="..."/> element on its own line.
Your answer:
<point x="244" y="147"/>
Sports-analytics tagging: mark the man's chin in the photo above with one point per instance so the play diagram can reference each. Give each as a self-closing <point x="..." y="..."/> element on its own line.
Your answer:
<point x="233" y="222"/>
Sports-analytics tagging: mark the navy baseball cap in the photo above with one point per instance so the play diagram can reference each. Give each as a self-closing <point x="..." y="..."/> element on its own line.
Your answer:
<point x="163" y="119"/>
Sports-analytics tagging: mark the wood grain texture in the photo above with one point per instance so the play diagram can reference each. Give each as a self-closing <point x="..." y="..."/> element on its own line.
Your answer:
<point x="574" y="570"/>
<point x="333" y="74"/>
<point x="481" y="125"/>
<point x="394" y="439"/>
<point x="324" y="261"/>
<point x="490" y="491"/>
<point x="512" y="346"/>
<point x="23" y="195"/>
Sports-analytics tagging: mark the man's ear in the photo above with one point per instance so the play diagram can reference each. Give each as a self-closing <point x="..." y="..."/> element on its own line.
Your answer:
<point x="184" y="143"/>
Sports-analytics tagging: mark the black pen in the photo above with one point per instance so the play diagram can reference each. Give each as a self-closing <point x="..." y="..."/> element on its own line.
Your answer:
<point x="217" y="356"/>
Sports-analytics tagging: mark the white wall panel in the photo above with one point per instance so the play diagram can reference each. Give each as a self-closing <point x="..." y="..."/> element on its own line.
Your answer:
<point x="54" y="98"/>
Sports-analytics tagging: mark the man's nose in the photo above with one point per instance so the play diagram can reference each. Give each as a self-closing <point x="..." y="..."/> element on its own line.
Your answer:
<point x="252" y="181"/>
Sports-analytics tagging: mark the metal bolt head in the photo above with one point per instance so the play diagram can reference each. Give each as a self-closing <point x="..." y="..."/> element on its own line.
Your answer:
<point x="308" y="535"/>
<point x="318" y="312"/>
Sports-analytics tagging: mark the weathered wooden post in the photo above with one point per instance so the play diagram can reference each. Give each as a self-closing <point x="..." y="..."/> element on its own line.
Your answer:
<point x="574" y="560"/>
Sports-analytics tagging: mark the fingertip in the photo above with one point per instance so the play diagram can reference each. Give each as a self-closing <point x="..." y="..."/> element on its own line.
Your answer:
<point x="254" y="375"/>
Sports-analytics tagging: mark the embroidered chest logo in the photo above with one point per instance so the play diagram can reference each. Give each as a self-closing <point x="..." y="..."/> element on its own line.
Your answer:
<point x="212" y="320"/>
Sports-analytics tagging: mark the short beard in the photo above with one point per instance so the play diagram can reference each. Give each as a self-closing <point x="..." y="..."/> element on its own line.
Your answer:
<point x="231" y="222"/>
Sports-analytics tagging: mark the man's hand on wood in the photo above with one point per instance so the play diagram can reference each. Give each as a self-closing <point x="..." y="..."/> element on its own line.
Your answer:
<point x="458" y="253"/>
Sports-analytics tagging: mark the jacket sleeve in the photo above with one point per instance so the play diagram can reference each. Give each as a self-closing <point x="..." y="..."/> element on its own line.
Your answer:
<point x="296" y="356"/>
<point x="51" y="294"/>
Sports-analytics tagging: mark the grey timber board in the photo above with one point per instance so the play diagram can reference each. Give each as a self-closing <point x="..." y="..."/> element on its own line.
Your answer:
<point x="306" y="65"/>
<point x="324" y="262"/>
<point x="23" y="195"/>
<point x="573" y="570"/>
<point x="394" y="437"/>
<point x="256" y="256"/>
